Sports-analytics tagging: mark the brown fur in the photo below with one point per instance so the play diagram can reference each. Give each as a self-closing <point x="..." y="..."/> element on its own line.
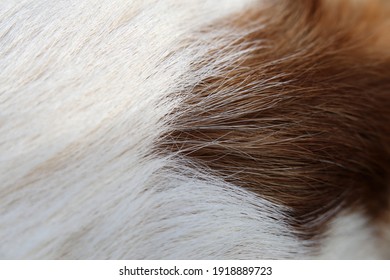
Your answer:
<point x="302" y="117"/>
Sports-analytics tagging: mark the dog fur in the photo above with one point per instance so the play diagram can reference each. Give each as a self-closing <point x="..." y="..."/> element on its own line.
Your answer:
<point x="194" y="129"/>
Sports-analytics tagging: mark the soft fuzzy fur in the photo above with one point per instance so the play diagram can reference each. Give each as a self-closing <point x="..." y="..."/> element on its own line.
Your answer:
<point x="194" y="129"/>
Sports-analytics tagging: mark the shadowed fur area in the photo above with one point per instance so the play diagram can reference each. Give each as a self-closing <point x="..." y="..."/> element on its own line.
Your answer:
<point x="301" y="115"/>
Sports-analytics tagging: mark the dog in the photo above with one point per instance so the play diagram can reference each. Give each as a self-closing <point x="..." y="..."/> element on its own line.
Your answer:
<point x="163" y="129"/>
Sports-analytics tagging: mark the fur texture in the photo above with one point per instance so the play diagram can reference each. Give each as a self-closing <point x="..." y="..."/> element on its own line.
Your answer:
<point x="194" y="129"/>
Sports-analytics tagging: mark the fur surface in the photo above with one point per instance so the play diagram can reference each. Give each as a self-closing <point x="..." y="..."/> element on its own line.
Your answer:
<point x="194" y="129"/>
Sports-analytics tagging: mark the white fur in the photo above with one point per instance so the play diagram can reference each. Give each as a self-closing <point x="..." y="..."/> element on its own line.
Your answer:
<point x="350" y="236"/>
<point x="85" y="89"/>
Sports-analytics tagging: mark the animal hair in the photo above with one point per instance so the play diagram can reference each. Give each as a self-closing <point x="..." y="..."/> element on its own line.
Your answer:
<point x="301" y="116"/>
<point x="231" y="129"/>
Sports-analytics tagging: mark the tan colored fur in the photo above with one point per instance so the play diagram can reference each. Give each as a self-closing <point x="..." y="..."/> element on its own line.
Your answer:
<point x="302" y="117"/>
